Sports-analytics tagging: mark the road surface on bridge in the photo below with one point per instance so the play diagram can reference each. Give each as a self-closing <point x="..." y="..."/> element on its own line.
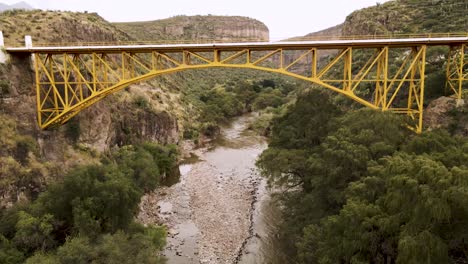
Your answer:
<point x="257" y="46"/>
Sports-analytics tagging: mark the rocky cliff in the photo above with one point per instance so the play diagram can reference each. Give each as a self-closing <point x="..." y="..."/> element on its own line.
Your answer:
<point x="403" y="17"/>
<point x="57" y="27"/>
<point x="444" y="113"/>
<point x="409" y="17"/>
<point x="228" y="28"/>
<point x="335" y="31"/>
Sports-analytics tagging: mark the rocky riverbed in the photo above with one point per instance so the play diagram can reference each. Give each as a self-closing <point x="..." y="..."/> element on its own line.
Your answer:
<point x="212" y="213"/>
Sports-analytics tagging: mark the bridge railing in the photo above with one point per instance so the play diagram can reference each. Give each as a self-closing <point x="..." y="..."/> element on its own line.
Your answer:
<point x="209" y="41"/>
<point x="378" y="37"/>
<point x="144" y="42"/>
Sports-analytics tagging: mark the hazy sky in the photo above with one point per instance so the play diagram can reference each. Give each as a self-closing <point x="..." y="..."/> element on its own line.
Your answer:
<point x="285" y="18"/>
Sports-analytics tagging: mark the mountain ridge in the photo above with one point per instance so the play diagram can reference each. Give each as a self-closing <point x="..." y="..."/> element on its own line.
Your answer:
<point x="236" y="28"/>
<point x="19" y="5"/>
<point x="402" y="17"/>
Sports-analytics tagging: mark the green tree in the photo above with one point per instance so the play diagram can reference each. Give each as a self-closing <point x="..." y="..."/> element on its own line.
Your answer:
<point x="268" y="99"/>
<point x="34" y="233"/>
<point x="124" y="248"/>
<point x="411" y="209"/>
<point x="92" y="199"/>
<point x="140" y="165"/>
<point x="8" y="252"/>
<point x="76" y="250"/>
<point x="42" y="258"/>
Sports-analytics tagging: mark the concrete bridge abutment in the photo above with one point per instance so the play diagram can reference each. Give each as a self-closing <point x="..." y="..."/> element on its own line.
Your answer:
<point x="4" y="57"/>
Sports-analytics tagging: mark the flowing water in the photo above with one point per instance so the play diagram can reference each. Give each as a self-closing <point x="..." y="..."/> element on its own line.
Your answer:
<point x="214" y="212"/>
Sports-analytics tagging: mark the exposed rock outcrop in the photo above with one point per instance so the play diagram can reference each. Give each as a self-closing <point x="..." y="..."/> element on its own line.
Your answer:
<point x="229" y="28"/>
<point x="444" y="113"/>
<point x="57" y="27"/>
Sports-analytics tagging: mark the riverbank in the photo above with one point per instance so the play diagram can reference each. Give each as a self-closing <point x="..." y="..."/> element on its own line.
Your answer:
<point x="211" y="213"/>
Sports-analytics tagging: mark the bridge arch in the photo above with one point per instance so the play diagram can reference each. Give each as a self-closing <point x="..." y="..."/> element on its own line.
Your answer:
<point x="69" y="80"/>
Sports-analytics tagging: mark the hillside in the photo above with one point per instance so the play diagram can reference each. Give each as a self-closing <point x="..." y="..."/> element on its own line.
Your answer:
<point x="402" y="17"/>
<point x="233" y="28"/>
<point x="409" y="16"/>
<point x="335" y="31"/>
<point x="56" y="27"/>
<point x="157" y="110"/>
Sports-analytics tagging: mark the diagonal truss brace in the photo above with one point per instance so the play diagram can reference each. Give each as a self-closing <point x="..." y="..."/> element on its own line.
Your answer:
<point x="457" y="71"/>
<point x="68" y="83"/>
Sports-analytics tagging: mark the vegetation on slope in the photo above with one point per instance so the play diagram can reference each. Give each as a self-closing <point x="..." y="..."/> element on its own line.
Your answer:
<point x="56" y="27"/>
<point x="239" y="93"/>
<point x="89" y="216"/>
<point x="20" y="164"/>
<point x="409" y="17"/>
<point x="361" y="188"/>
<point x="197" y="28"/>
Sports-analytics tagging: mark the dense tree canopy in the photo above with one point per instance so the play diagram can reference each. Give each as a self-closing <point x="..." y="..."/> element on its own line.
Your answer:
<point x="361" y="188"/>
<point x="89" y="217"/>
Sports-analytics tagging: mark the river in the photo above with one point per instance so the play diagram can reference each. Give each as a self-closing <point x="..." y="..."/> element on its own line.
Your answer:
<point x="214" y="211"/>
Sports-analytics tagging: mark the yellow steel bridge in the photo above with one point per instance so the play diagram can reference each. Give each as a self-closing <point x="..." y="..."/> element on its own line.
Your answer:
<point x="381" y="73"/>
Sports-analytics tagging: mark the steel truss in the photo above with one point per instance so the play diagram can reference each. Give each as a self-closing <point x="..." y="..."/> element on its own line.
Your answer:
<point x="457" y="71"/>
<point x="69" y="82"/>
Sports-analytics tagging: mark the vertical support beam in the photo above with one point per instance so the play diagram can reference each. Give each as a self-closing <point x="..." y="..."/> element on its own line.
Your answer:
<point x="131" y="65"/>
<point x="455" y="72"/>
<point x="38" y="90"/>
<point x="448" y="71"/>
<point x="460" y="77"/>
<point x="378" y="95"/>
<point x="217" y="56"/>
<point x="123" y="64"/>
<point x="79" y="81"/>
<point x="348" y="77"/>
<point x="66" y="81"/>
<point x="52" y="82"/>
<point x="185" y="57"/>
<point x="384" y="62"/>
<point x="281" y="59"/>
<point x="421" y="89"/>
<point x="94" y="73"/>
<point x="153" y="61"/>
<point x="249" y="56"/>
<point x="314" y="63"/>
<point x="104" y="71"/>
<point x="159" y="64"/>
<point x="412" y="88"/>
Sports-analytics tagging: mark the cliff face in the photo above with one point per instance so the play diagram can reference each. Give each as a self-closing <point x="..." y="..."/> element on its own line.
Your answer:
<point x="56" y="27"/>
<point x="335" y="31"/>
<point x="403" y="17"/>
<point x="409" y="16"/>
<point x="30" y="157"/>
<point x="444" y="113"/>
<point x="194" y="28"/>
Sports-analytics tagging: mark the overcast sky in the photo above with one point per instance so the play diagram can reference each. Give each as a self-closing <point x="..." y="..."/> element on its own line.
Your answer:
<point x="285" y="18"/>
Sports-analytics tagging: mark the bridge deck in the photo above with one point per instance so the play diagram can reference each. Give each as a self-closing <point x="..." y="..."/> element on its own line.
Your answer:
<point x="286" y="45"/>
